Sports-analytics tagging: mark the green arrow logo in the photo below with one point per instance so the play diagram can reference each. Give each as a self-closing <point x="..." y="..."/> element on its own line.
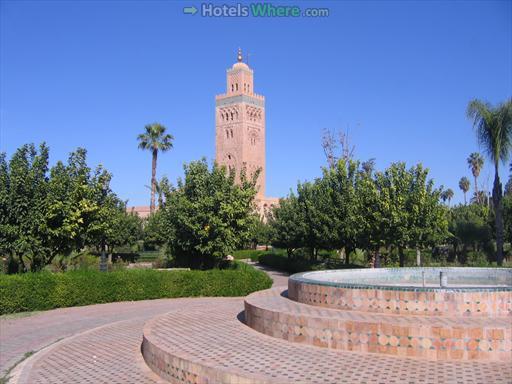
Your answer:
<point x="190" y="10"/>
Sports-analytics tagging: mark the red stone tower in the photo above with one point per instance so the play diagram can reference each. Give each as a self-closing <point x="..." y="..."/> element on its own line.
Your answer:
<point x="240" y="124"/>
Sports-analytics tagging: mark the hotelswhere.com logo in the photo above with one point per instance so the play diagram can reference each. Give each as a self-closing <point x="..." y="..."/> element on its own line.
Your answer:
<point x="254" y="10"/>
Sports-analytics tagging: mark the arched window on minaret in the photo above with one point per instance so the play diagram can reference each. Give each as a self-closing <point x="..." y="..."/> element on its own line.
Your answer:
<point x="231" y="133"/>
<point x="232" y="87"/>
<point x="227" y="134"/>
<point x="236" y="86"/>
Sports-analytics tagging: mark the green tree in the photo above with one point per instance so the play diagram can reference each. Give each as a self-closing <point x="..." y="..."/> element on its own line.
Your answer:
<point x="370" y="207"/>
<point x="464" y="186"/>
<point x="507" y="217"/>
<point x="155" y="139"/>
<point x="469" y="225"/>
<point x="313" y="203"/>
<point x="447" y="195"/>
<point x="260" y="233"/>
<point x="154" y="233"/>
<point x="209" y="215"/>
<point x="23" y="198"/>
<point x="476" y="163"/>
<point x="287" y="225"/>
<point x="338" y="202"/>
<point x="494" y="131"/>
<point x="409" y="208"/>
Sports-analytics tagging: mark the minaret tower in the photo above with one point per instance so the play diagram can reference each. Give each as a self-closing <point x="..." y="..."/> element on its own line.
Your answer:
<point x="240" y="124"/>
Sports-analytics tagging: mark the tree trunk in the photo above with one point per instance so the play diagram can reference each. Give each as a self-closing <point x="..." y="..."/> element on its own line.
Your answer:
<point x="376" y="258"/>
<point x="418" y="257"/>
<point x="103" y="258"/>
<point x="153" y="180"/>
<point x="497" y="195"/>
<point x="348" y="250"/>
<point x="477" y="197"/>
<point x="401" y="256"/>
<point x="465" y="201"/>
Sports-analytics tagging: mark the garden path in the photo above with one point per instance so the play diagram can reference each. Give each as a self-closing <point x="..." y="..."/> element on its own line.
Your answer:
<point x="22" y="334"/>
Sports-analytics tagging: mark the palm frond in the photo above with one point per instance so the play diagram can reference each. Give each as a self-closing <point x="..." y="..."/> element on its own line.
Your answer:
<point x="155" y="138"/>
<point x="493" y="126"/>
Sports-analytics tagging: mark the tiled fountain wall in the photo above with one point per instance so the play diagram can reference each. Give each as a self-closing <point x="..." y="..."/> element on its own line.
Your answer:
<point x="426" y="323"/>
<point x="363" y="291"/>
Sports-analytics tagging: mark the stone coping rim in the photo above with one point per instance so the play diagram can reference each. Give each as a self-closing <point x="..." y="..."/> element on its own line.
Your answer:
<point x="302" y="278"/>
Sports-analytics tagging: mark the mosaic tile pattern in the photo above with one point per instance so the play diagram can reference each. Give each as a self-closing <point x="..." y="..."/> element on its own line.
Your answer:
<point x="399" y="301"/>
<point x="211" y="345"/>
<point x="426" y="337"/>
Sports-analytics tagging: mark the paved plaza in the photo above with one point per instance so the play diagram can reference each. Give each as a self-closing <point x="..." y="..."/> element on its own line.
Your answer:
<point x="102" y="344"/>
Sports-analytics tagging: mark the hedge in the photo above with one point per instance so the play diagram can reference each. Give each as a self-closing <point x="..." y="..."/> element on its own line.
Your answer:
<point x="46" y="290"/>
<point x="280" y="262"/>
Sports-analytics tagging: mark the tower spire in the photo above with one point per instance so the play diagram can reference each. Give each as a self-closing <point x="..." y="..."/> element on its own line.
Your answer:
<point x="239" y="57"/>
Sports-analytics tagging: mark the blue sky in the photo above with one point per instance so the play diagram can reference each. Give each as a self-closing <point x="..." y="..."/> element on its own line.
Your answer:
<point x="398" y="74"/>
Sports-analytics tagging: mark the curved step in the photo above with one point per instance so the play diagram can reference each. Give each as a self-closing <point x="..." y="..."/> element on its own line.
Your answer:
<point x="426" y="337"/>
<point x="211" y="345"/>
<point x="106" y="354"/>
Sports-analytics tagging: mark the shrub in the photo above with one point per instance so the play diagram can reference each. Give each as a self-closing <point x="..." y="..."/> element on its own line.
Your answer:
<point x="281" y="262"/>
<point x="45" y="290"/>
<point x="252" y="254"/>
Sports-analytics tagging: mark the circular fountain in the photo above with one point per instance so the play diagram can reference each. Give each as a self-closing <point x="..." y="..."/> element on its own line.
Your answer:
<point x="413" y="291"/>
<point x="405" y="325"/>
<point x="426" y="313"/>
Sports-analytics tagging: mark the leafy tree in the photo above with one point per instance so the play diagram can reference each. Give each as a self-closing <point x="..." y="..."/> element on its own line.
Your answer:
<point x="428" y="219"/>
<point x="23" y="201"/>
<point x="314" y="204"/>
<point x="494" y="131"/>
<point x="371" y="227"/>
<point x="260" y="233"/>
<point x="155" y="139"/>
<point x="287" y="225"/>
<point x="338" y="203"/>
<point x="464" y="186"/>
<point x="409" y="208"/>
<point x="476" y="163"/>
<point x="208" y="215"/>
<point x="469" y="225"/>
<point x="49" y="213"/>
<point x="154" y="232"/>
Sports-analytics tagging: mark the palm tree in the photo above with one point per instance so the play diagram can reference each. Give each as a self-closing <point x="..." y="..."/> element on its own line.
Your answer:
<point x="480" y="198"/>
<point x="154" y="139"/>
<point x="447" y="195"/>
<point x="494" y="131"/>
<point x="476" y="163"/>
<point x="508" y="186"/>
<point x="368" y="166"/>
<point x="464" y="186"/>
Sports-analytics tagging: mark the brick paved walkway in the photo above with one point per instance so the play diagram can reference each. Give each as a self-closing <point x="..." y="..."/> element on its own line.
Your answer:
<point x="101" y="344"/>
<point x="29" y="334"/>
<point x="192" y="345"/>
